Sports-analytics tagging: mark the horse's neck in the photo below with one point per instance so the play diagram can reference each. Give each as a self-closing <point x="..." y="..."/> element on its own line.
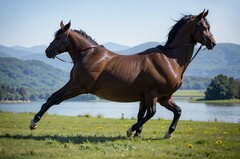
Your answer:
<point x="78" y="46"/>
<point x="78" y="41"/>
<point x="181" y="51"/>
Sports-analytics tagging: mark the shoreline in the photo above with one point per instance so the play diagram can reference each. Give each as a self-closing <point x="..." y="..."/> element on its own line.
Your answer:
<point x="202" y="100"/>
<point x="14" y="101"/>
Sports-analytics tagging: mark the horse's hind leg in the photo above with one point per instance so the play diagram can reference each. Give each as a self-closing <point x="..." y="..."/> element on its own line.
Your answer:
<point x="172" y="106"/>
<point x="150" y="104"/>
<point x="141" y="113"/>
<point x="68" y="91"/>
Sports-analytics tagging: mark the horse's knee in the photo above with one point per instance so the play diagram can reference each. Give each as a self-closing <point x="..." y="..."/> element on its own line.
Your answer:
<point x="151" y="112"/>
<point x="178" y="111"/>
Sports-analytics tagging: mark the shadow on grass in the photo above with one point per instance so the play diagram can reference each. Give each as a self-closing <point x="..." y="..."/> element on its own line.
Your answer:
<point x="79" y="139"/>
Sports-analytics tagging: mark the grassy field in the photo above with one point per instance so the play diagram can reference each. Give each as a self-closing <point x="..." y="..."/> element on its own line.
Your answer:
<point x="189" y="93"/>
<point x="81" y="137"/>
<point x="197" y="96"/>
<point x="226" y="101"/>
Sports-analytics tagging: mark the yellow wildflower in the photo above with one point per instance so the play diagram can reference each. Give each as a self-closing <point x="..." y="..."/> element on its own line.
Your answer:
<point x="218" y="142"/>
<point x="190" y="146"/>
<point x="100" y="127"/>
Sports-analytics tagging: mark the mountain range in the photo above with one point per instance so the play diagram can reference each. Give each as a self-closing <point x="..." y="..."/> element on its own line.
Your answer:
<point x="223" y="59"/>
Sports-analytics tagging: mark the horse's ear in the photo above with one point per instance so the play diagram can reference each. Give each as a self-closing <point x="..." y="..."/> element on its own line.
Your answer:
<point x="206" y="13"/>
<point x="62" y="25"/>
<point x="203" y="14"/>
<point x="67" y="26"/>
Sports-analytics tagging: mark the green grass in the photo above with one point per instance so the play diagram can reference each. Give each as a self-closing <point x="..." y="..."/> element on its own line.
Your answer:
<point x="81" y="137"/>
<point x="226" y="101"/>
<point x="197" y="96"/>
<point x="189" y="93"/>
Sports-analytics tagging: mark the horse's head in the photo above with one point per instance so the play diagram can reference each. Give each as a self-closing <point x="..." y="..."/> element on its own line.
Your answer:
<point x="202" y="32"/>
<point x="60" y="43"/>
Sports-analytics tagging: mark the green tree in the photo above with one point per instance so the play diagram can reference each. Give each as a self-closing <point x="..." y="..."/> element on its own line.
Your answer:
<point x="222" y="87"/>
<point x="232" y="88"/>
<point x="2" y="95"/>
<point x="238" y="90"/>
<point x="217" y="89"/>
<point x="23" y="93"/>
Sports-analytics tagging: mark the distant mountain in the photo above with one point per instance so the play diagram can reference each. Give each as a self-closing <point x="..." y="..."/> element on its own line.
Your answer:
<point x="66" y="66"/>
<point x="115" y="47"/>
<point x="139" y="48"/>
<point x="34" y="49"/>
<point x="223" y="59"/>
<point x="11" y="52"/>
<point x="35" y="53"/>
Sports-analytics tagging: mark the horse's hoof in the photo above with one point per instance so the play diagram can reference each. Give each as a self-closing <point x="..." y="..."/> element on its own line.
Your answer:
<point x="129" y="132"/>
<point x="167" y="136"/>
<point x="136" y="136"/>
<point x="33" y="125"/>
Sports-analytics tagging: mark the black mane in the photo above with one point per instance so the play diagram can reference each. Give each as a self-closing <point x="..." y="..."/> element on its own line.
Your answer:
<point x="172" y="33"/>
<point x="84" y="34"/>
<point x="81" y="32"/>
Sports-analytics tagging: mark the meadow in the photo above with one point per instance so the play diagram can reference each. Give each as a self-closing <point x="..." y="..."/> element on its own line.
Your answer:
<point x="198" y="96"/>
<point x="88" y="137"/>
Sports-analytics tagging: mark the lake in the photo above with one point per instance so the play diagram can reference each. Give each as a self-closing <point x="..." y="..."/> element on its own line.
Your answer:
<point x="190" y="111"/>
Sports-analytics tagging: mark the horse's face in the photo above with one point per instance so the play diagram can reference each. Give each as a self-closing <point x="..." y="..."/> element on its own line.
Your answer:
<point x="60" y="43"/>
<point x="202" y="32"/>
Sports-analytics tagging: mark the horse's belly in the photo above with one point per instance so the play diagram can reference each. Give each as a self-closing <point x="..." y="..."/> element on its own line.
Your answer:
<point x="119" y="92"/>
<point x="119" y="95"/>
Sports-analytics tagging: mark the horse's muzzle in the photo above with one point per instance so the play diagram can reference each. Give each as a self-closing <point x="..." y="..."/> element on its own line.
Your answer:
<point x="50" y="53"/>
<point x="209" y="42"/>
<point x="210" y="45"/>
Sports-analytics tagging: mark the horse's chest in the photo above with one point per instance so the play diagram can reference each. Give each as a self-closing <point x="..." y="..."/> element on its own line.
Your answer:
<point x="173" y="84"/>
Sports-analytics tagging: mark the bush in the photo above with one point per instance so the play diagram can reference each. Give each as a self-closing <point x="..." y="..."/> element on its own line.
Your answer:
<point x="222" y="87"/>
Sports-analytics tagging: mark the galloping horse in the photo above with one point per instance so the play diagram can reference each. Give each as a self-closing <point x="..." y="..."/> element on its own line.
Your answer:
<point x="150" y="77"/>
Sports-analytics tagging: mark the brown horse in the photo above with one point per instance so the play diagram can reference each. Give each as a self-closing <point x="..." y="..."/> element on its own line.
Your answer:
<point x="149" y="77"/>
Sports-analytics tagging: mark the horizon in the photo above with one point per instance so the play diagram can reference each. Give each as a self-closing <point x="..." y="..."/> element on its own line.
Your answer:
<point x="31" y="23"/>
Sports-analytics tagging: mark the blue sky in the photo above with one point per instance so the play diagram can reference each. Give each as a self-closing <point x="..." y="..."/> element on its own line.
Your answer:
<point x="128" y="22"/>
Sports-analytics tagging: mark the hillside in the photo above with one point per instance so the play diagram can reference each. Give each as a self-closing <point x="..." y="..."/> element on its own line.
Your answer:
<point x="37" y="77"/>
<point x="115" y="47"/>
<point x="139" y="48"/>
<point x="223" y="59"/>
<point x="11" y="52"/>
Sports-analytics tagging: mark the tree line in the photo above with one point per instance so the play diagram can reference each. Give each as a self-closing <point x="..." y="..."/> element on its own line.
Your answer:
<point x="223" y="87"/>
<point x="13" y="93"/>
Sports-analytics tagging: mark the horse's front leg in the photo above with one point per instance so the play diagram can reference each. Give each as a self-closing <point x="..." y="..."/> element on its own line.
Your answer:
<point x="68" y="91"/>
<point x="172" y="106"/>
